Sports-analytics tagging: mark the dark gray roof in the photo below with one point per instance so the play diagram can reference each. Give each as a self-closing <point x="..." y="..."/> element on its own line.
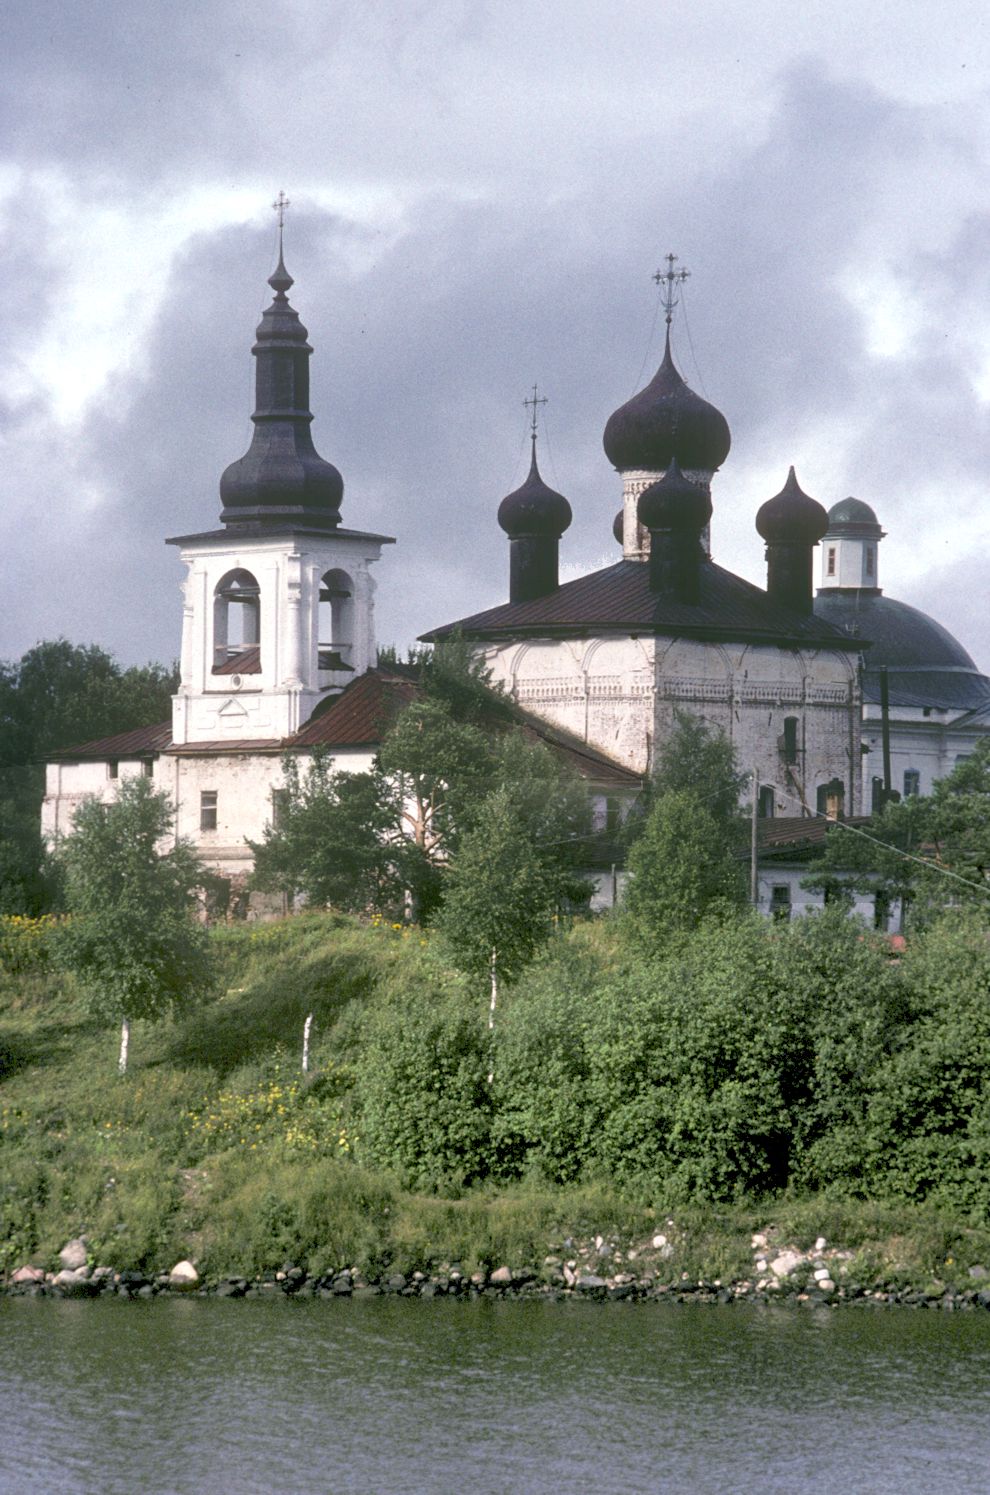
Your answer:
<point x="926" y="666"/>
<point x="619" y="599"/>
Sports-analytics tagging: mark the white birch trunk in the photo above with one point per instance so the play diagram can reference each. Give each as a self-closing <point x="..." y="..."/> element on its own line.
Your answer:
<point x="491" y="1011"/>
<point x="125" y="1038"/>
<point x="307" y="1026"/>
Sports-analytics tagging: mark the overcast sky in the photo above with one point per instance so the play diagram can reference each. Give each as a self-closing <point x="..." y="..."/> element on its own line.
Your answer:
<point x="480" y="195"/>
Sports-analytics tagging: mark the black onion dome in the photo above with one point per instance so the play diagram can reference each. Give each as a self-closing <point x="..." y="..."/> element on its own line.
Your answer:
<point x="791" y="517"/>
<point x="619" y="526"/>
<point x="674" y="502"/>
<point x="282" y="478"/>
<point x="534" y="509"/>
<point x="851" y="516"/>
<point x="667" y="420"/>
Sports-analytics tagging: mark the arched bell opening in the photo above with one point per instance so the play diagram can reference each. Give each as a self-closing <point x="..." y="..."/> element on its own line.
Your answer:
<point x="336" y="622"/>
<point x="237" y="623"/>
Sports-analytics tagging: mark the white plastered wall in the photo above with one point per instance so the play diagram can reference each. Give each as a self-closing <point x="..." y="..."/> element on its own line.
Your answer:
<point x="620" y="694"/>
<point x="276" y="702"/>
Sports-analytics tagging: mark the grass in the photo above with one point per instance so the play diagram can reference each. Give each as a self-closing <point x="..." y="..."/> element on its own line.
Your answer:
<point x="214" y="1146"/>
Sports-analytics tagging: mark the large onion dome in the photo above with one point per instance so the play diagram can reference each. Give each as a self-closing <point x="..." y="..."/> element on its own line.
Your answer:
<point x="667" y="420"/>
<point x="282" y="478"/>
<point x="791" y="517"/>
<point x="674" y="502"/>
<point x="535" y="508"/>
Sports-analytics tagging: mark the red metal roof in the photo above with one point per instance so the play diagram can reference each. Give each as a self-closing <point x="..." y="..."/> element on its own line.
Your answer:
<point x="362" y="713"/>
<point x="359" y="717"/>
<point x="142" y="742"/>
<point x="247" y="662"/>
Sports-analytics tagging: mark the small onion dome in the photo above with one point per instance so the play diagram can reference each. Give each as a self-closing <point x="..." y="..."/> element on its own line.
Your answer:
<point x="667" y="420"/>
<point x="674" y="502"/>
<point x="855" y="518"/>
<point x="534" y="509"/>
<point x="619" y="525"/>
<point x="791" y="517"/>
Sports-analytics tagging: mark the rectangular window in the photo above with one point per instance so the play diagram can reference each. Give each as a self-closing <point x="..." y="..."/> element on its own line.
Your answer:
<point x="113" y="768"/>
<point x="790" y="739"/>
<point x="830" y="561"/>
<point x="869" y="560"/>
<point x="208" y="810"/>
<point x="912" y="782"/>
<point x="147" y="768"/>
<point x="765" y="807"/>
<point x="280" y="808"/>
<point x="780" y="902"/>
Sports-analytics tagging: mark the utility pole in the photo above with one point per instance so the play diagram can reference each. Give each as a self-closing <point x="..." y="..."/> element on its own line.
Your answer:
<point x="753" y="884"/>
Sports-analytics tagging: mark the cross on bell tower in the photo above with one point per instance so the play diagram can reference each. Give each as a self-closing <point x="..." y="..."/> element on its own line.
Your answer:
<point x="535" y="400"/>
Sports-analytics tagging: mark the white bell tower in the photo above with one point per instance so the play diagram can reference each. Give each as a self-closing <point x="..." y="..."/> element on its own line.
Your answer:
<point x="278" y="604"/>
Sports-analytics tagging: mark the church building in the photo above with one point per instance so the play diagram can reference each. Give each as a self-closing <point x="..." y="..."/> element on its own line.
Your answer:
<point x="614" y="655"/>
<point x="279" y="651"/>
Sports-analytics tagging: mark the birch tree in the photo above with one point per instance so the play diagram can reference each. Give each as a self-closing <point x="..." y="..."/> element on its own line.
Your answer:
<point x="131" y="939"/>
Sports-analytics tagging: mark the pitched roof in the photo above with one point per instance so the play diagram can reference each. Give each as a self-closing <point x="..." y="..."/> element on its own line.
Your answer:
<point x="793" y="833"/>
<point x="619" y="598"/>
<point x="359" y="717"/>
<point x="141" y="742"/>
<point x="362" y="713"/>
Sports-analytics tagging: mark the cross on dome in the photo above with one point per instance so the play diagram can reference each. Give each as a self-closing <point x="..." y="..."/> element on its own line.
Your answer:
<point x="670" y="278"/>
<point x="535" y="400"/>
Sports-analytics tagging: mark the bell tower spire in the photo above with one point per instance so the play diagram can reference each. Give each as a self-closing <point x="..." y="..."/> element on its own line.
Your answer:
<point x="281" y="478"/>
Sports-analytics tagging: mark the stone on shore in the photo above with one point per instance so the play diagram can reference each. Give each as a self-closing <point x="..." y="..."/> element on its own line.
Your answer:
<point x="183" y="1277"/>
<point x="501" y="1277"/>
<point x="786" y="1263"/>
<point x="73" y="1255"/>
<point x="28" y="1274"/>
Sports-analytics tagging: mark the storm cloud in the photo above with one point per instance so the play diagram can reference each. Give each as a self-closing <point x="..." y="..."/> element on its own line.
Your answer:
<point x="479" y="200"/>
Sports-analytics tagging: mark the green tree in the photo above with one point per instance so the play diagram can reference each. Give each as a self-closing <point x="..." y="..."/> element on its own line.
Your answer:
<point x="132" y="939"/>
<point x="58" y="695"/>
<point x="681" y="867"/>
<point x="697" y="758"/>
<point x="338" y="840"/>
<point x="931" y="852"/>
<point x="513" y="870"/>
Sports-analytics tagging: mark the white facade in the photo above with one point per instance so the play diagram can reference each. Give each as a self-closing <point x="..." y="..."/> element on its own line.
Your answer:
<point x="306" y="646"/>
<point x="620" y="693"/>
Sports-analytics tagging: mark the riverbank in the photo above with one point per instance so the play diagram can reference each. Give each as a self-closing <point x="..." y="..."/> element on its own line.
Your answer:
<point x="392" y="1158"/>
<point x="597" y="1269"/>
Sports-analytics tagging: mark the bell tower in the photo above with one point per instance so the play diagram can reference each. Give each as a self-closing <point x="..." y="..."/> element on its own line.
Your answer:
<point x="278" y="603"/>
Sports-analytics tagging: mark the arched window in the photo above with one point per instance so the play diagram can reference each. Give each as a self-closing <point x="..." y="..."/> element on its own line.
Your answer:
<point x="766" y="806"/>
<point x="236" y="619"/>
<point x="336" y="621"/>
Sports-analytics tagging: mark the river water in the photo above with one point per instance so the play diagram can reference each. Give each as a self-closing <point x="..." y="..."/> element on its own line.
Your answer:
<point x="386" y="1396"/>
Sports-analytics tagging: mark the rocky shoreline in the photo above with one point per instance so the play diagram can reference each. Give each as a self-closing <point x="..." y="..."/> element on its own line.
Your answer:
<point x="597" y="1270"/>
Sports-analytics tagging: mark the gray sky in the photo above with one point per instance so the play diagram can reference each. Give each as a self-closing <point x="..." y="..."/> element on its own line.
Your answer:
<point x="480" y="194"/>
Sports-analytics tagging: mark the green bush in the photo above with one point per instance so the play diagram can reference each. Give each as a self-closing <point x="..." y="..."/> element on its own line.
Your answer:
<point x="423" y="1103"/>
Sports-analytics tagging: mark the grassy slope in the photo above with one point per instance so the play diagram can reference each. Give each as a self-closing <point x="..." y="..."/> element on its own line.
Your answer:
<point x="215" y="1147"/>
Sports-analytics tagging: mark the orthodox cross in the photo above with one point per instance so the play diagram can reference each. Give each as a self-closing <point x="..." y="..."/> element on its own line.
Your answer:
<point x="668" y="279"/>
<point x="536" y="400"/>
<point x="279" y="205"/>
